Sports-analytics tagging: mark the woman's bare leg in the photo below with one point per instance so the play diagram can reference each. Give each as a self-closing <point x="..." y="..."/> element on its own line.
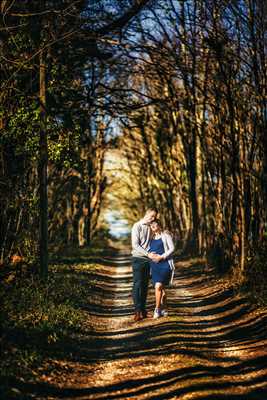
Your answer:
<point x="158" y="294"/>
<point x="164" y="298"/>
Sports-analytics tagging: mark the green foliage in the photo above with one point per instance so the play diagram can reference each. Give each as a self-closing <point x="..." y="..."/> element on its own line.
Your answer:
<point x="36" y="316"/>
<point x="22" y="129"/>
<point x="47" y="307"/>
<point x="63" y="146"/>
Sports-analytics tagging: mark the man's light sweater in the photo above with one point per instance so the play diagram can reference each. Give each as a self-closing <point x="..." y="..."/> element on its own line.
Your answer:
<point x="141" y="235"/>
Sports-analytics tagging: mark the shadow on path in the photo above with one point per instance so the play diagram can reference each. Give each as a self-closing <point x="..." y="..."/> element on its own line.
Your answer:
<point x="211" y="346"/>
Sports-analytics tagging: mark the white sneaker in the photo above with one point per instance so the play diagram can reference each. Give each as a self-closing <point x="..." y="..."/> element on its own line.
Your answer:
<point x="157" y="313"/>
<point x="164" y="313"/>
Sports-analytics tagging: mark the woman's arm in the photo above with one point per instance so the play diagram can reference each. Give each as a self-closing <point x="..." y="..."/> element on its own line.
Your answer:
<point x="170" y="246"/>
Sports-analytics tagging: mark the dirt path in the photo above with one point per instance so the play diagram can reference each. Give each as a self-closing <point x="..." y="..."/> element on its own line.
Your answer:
<point x="212" y="346"/>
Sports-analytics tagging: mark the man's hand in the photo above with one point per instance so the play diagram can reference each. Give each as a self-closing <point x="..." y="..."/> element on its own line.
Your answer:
<point x="155" y="257"/>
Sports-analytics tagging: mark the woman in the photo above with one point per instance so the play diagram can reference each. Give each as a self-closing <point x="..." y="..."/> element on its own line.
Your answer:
<point x="163" y="270"/>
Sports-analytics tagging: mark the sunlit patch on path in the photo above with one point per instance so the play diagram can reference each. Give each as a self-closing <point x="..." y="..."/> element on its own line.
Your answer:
<point x="212" y="345"/>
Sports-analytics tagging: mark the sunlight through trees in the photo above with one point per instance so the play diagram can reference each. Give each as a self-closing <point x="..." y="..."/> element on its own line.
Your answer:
<point x="177" y="89"/>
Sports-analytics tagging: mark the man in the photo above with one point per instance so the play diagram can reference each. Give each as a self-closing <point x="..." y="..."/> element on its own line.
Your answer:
<point x="141" y="235"/>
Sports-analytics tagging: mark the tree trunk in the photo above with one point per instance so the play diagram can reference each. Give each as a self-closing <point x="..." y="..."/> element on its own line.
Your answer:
<point x="89" y="200"/>
<point x="193" y="191"/>
<point x="43" y="161"/>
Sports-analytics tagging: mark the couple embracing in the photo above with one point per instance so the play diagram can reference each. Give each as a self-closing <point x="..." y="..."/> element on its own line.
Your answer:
<point x="152" y="249"/>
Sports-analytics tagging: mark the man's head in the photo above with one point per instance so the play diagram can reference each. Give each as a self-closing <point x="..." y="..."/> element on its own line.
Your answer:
<point x="150" y="215"/>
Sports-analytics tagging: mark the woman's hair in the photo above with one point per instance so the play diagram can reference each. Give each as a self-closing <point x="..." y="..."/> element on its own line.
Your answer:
<point x="165" y="230"/>
<point x="157" y="221"/>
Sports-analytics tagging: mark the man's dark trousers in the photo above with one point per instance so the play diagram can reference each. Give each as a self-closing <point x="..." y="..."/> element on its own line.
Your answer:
<point x="141" y="272"/>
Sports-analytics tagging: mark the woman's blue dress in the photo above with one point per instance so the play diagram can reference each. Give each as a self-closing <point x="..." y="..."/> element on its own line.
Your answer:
<point x="161" y="272"/>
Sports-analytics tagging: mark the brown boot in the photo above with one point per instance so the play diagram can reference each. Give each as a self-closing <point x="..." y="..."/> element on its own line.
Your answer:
<point x="137" y="316"/>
